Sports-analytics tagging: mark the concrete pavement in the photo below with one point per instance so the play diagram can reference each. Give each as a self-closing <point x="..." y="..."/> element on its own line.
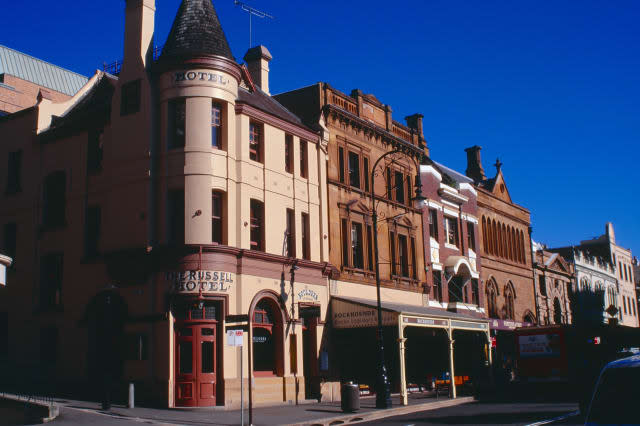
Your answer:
<point x="307" y="414"/>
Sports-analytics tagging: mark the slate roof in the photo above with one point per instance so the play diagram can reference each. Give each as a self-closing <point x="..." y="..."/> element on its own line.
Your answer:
<point x="196" y="31"/>
<point x="39" y="72"/>
<point x="266" y="103"/>
<point x="456" y="176"/>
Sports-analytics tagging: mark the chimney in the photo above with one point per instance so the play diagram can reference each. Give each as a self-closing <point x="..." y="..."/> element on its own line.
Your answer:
<point x="415" y="122"/>
<point x="257" y="59"/>
<point x="610" y="234"/>
<point x="138" y="36"/>
<point x="474" y="164"/>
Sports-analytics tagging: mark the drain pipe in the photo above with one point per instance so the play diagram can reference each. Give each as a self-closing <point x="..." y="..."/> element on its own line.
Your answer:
<point x="533" y="271"/>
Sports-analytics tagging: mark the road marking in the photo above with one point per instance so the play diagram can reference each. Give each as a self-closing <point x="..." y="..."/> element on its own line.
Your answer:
<point x="544" y="422"/>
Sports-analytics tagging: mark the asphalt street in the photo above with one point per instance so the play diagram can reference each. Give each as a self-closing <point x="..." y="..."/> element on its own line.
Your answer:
<point x="478" y="413"/>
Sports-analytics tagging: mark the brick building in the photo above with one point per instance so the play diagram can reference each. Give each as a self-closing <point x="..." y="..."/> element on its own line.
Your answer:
<point x="24" y="78"/>
<point x="506" y="247"/>
<point x="450" y="220"/>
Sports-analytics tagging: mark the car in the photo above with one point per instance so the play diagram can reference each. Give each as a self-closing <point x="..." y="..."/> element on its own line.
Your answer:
<point x="614" y="400"/>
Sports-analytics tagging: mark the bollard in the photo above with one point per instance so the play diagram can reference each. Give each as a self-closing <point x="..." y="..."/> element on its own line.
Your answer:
<point x="132" y="398"/>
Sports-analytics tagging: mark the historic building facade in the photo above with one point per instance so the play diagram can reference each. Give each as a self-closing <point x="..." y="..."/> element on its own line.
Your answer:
<point x="157" y="209"/>
<point x="621" y="260"/>
<point x="507" y="274"/>
<point x="24" y="78"/>
<point x="554" y="283"/>
<point x="450" y="219"/>
<point x="376" y="165"/>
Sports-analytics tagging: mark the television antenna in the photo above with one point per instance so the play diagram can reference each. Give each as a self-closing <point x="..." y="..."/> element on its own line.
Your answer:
<point x="252" y="12"/>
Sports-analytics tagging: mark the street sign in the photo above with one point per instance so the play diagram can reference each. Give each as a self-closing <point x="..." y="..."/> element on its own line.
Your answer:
<point x="235" y="337"/>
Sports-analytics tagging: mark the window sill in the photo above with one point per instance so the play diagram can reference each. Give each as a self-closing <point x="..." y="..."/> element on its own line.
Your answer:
<point x="364" y="272"/>
<point x="451" y="246"/>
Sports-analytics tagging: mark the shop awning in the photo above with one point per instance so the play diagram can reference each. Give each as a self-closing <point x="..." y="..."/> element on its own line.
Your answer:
<point x="357" y="313"/>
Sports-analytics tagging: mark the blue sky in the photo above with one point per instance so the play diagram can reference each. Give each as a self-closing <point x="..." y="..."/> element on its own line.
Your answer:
<point x="552" y="88"/>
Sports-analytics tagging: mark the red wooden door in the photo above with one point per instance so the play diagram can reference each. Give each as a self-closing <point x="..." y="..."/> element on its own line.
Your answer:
<point x="185" y="367"/>
<point x="195" y="365"/>
<point x="206" y="364"/>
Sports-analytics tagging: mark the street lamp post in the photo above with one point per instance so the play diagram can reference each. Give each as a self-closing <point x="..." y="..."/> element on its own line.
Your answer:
<point x="383" y="392"/>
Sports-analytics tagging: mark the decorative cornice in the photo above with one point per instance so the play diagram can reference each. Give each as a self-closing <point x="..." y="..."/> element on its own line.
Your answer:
<point x="371" y="129"/>
<point x="246" y="109"/>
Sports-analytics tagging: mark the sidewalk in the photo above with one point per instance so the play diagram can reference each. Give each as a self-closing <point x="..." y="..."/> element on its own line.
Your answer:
<point x="306" y="414"/>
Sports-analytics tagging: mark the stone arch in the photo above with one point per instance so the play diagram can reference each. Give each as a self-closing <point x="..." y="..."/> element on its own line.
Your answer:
<point x="529" y="317"/>
<point x="484" y="235"/>
<point x="268" y="302"/>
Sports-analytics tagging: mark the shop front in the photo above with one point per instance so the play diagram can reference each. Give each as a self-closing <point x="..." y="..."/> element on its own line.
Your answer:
<point x="279" y="310"/>
<point x="423" y="345"/>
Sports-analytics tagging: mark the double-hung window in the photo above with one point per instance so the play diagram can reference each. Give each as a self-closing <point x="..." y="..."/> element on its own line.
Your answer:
<point x="176" y="122"/>
<point x="216" y="125"/>
<point x="433" y="224"/>
<point x="216" y="217"/>
<point x="288" y="153"/>
<point x="451" y="230"/>
<point x="304" y="159"/>
<point x="257" y="225"/>
<point x="256" y="134"/>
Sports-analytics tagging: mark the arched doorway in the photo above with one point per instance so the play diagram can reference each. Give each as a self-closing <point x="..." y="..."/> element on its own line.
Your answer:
<point x="267" y="326"/>
<point x="197" y="351"/>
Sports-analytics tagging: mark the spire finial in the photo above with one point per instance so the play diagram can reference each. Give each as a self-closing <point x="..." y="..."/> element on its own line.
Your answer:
<point x="498" y="164"/>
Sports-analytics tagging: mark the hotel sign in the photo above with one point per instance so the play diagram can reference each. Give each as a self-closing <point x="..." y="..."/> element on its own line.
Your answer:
<point x="185" y="282"/>
<point x="184" y="76"/>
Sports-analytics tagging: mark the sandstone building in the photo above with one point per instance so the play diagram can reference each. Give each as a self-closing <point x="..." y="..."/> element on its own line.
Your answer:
<point x="157" y="209"/>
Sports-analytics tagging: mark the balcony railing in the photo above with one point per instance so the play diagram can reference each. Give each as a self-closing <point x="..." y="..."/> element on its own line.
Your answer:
<point x="115" y="67"/>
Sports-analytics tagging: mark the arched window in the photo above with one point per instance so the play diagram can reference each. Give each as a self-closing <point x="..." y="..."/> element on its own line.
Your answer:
<point x="484" y="235"/>
<point x="584" y="283"/>
<point x="520" y="238"/>
<point x="494" y="238"/>
<point x="492" y="299"/>
<point x="267" y="330"/>
<point x="557" y="311"/>
<point x="505" y="249"/>
<point x="509" y="302"/>
<point x="499" y="250"/>
<point x="512" y="245"/>
<point x="528" y="317"/>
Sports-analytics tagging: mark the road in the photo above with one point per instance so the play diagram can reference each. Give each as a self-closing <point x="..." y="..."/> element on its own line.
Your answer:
<point x="478" y="413"/>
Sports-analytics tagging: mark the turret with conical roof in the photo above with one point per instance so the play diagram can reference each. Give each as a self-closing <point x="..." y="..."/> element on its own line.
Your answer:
<point x="196" y="31"/>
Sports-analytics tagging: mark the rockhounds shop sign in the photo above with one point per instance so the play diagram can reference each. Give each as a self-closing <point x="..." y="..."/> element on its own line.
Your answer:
<point x="352" y="315"/>
<point x="185" y="282"/>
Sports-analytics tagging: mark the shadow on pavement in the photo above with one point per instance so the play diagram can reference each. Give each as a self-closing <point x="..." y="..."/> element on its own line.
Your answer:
<point x="489" y="418"/>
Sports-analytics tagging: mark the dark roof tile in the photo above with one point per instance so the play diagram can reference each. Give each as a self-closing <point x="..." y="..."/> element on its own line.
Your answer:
<point x="196" y="31"/>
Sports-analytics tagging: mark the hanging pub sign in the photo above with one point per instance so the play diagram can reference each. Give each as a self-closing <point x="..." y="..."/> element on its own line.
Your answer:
<point x="199" y="281"/>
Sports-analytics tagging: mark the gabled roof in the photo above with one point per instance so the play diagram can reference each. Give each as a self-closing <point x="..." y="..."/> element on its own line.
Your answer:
<point x="196" y="31"/>
<point x="39" y="72"/>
